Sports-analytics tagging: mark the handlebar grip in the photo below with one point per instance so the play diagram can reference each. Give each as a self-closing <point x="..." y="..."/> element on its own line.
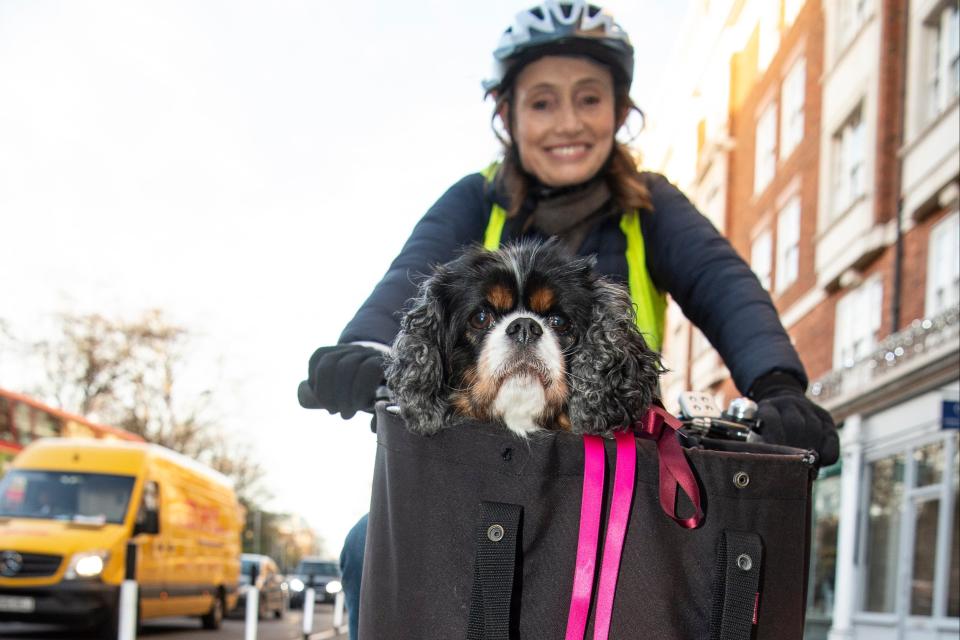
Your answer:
<point x="306" y="398"/>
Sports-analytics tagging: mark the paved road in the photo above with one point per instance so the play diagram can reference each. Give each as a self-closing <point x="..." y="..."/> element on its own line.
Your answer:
<point x="288" y="628"/>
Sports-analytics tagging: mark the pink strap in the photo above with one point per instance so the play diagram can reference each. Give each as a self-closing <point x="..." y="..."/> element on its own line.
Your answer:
<point x="674" y="468"/>
<point x="616" y="531"/>
<point x="593" y="471"/>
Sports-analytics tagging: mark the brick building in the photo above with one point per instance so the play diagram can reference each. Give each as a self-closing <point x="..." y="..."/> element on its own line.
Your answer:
<point x="823" y="139"/>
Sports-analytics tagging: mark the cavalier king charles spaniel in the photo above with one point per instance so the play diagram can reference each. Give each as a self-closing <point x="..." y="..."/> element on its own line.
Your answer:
<point x="528" y="336"/>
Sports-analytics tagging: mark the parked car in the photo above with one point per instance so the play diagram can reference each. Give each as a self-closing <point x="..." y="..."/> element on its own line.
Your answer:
<point x="273" y="587"/>
<point x="322" y="575"/>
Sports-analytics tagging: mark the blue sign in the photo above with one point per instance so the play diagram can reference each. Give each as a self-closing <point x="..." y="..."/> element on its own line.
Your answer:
<point x="950" y="414"/>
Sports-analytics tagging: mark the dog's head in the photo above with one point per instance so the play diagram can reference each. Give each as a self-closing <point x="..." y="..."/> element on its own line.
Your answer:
<point x="527" y="335"/>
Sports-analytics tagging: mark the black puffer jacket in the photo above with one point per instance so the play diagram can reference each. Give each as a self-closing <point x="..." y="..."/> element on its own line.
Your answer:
<point x="686" y="257"/>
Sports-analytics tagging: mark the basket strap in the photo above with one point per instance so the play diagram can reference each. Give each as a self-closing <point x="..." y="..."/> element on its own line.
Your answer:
<point x="736" y="596"/>
<point x="590" y="506"/>
<point x="658" y="425"/>
<point x="494" y="569"/>
<point x="617" y="521"/>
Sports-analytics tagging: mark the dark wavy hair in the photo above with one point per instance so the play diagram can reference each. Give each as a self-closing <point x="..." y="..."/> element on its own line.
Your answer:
<point x="626" y="183"/>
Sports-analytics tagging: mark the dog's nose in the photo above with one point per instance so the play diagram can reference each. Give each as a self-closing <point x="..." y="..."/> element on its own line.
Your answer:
<point x="525" y="330"/>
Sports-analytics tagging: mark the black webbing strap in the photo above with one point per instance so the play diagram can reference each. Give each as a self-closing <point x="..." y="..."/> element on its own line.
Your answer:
<point x="493" y="571"/>
<point x="736" y="587"/>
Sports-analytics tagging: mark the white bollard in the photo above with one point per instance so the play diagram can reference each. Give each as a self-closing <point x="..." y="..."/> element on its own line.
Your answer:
<point x="128" y="610"/>
<point x="253" y="611"/>
<point x="338" y="610"/>
<point x="308" y="599"/>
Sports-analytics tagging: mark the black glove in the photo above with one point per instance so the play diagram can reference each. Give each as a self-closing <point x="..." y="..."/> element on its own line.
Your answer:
<point x="342" y="379"/>
<point x="788" y="417"/>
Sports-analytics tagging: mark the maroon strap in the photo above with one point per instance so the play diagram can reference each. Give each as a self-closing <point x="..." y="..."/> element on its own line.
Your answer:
<point x="674" y="467"/>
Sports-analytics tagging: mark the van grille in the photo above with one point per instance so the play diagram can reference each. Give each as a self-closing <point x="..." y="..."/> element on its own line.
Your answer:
<point x="28" y="565"/>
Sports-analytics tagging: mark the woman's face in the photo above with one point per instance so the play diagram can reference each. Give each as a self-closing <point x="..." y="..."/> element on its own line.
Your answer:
<point x="564" y="119"/>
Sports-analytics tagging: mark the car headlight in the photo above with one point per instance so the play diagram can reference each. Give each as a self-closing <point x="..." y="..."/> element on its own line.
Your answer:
<point x="334" y="586"/>
<point x="296" y="584"/>
<point x="86" y="564"/>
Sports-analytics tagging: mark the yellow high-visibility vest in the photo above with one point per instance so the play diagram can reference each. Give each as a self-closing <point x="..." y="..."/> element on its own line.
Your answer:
<point x="650" y="302"/>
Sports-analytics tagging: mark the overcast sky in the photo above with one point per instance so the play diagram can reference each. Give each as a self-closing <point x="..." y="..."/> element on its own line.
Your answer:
<point x="251" y="168"/>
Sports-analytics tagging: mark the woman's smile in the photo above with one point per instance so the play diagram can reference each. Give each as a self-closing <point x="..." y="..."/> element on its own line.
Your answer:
<point x="570" y="151"/>
<point x="563" y="119"/>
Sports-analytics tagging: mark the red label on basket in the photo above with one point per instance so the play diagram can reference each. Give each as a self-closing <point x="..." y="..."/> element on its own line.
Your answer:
<point x="756" y="607"/>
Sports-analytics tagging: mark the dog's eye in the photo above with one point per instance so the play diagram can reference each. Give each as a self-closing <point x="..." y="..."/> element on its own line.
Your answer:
<point x="558" y="323"/>
<point x="481" y="319"/>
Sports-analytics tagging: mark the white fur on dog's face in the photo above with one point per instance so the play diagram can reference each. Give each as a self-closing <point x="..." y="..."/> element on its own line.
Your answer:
<point x="525" y="375"/>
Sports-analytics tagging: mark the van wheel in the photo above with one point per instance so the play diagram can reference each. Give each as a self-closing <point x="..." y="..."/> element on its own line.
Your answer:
<point x="212" y="619"/>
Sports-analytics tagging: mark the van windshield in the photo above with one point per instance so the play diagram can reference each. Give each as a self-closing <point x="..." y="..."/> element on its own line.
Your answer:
<point x="93" y="498"/>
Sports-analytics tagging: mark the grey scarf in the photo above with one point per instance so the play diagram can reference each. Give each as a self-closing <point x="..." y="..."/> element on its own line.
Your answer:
<point x="570" y="214"/>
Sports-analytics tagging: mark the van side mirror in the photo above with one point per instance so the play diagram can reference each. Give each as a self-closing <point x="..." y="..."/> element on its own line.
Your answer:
<point x="148" y="521"/>
<point x="148" y="516"/>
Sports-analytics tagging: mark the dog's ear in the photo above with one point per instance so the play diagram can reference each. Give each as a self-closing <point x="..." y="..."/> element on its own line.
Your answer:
<point x="416" y="371"/>
<point x="614" y="374"/>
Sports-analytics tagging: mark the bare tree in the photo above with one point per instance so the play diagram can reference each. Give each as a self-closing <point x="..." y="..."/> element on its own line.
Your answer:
<point x="128" y="373"/>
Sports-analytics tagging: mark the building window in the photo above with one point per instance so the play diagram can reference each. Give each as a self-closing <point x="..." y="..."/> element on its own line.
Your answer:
<point x="942" y="34"/>
<point x="848" y="155"/>
<point x="791" y="9"/>
<point x="943" y="265"/>
<point x="765" y="161"/>
<point x="791" y="114"/>
<point x="761" y="253"/>
<point x="852" y="16"/>
<point x="823" y="552"/>
<point x="788" y="243"/>
<point x="885" y="482"/>
<point x="857" y="323"/>
<point x="911" y="531"/>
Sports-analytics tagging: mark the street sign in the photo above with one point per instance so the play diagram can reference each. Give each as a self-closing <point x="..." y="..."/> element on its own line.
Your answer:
<point x="950" y="414"/>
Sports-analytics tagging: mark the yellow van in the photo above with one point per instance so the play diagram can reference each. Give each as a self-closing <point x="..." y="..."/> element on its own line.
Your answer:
<point x="68" y="508"/>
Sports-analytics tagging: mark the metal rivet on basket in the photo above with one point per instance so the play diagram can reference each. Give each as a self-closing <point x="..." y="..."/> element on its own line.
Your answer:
<point x="744" y="562"/>
<point x="741" y="479"/>
<point x="495" y="533"/>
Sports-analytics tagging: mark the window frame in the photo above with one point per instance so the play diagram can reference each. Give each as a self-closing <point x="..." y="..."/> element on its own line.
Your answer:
<point x="940" y="60"/>
<point x="788" y="255"/>
<point x="849" y="177"/>
<point x="944" y="232"/>
<point x="850" y="312"/>
<point x="764" y="236"/>
<point x="911" y="496"/>
<point x="765" y="156"/>
<point x="793" y="116"/>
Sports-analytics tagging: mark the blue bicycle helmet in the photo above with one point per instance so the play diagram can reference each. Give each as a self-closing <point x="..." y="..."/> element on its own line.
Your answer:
<point x="561" y="28"/>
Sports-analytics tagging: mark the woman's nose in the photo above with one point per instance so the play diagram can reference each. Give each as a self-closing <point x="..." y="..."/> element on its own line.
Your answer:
<point x="568" y="119"/>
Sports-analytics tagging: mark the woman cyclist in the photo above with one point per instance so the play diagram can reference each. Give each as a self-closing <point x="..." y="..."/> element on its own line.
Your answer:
<point x="561" y="92"/>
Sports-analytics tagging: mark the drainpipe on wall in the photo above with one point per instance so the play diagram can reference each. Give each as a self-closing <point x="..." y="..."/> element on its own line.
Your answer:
<point x="897" y="272"/>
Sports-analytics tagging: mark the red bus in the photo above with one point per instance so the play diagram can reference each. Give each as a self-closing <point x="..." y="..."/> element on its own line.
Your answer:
<point x="23" y="420"/>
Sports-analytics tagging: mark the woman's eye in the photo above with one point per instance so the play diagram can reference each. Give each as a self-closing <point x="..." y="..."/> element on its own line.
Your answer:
<point x="558" y="323"/>
<point x="539" y="105"/>
<point x="481" y="319"/>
